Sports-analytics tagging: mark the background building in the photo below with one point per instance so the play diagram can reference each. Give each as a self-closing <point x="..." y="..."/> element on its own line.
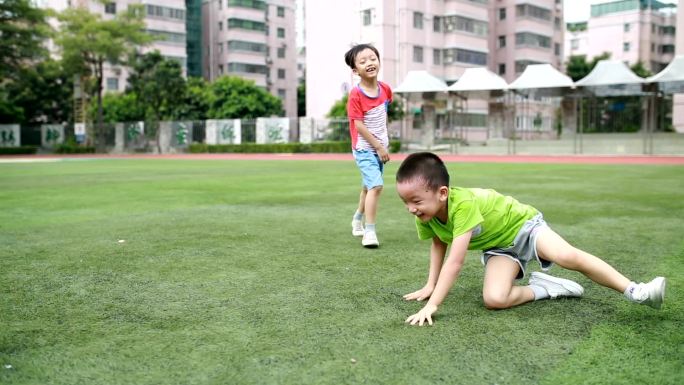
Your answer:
<point x="442" y="37"/>
<point x="630" y="30"/>
<point x="165" y="20"/>
<point x="253" y="39"/>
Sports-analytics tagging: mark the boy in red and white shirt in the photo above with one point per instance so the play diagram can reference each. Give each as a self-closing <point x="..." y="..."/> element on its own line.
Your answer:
<point x="367" y="110"/>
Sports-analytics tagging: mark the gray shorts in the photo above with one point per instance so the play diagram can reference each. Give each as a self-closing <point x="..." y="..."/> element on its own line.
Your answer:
<point x="524" y="248"/>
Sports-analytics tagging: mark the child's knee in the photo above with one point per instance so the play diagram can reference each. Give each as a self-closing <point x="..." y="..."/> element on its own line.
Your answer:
<point x="568" y="257"/>
<point x="495" y="299"/>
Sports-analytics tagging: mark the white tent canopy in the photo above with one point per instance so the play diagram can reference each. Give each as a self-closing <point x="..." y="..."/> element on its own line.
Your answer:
<point x="421" y="81"/>
<point x="478" y="81"/>
<point x="611" y="78"/>
<point x="671" y="79"/>
<point x="542" y="79"/>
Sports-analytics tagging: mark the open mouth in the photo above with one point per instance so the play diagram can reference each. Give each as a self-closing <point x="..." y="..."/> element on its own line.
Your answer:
<point x="370" y="69"/>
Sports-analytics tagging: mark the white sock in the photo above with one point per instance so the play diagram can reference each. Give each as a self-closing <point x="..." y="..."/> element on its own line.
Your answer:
<point x="632" y="292"/>
<point x="370" y="227"/>
<point x="539" y="292"/>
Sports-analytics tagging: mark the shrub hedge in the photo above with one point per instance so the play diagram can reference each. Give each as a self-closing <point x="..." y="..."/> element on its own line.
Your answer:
<point x="20" y="150"/>
<point x="73" y="148"/>
<point x="318" y="147"/>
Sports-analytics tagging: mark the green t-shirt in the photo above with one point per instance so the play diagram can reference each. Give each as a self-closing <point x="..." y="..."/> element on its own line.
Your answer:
<point x="494" y="218"/>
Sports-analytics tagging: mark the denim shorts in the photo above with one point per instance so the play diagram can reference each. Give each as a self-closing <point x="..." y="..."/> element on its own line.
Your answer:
<point x="371" y="168"/>
<point x="524" y="247"/>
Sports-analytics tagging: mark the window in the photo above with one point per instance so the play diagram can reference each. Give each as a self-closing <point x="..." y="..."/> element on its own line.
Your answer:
<point x="418" y="20"/>
<point x="417" y="54"/>
<point x="220" y="4"/>
<point x="520" y="65"/>
<point x="220" y="26"/>
<point x="110" y="8"/>
<point x="366" y="16"/>
<point x="625" y="47"/>
<point x="247" y="68"/>
<point x="112" y="84"/>
<point x="465" y="24"/>
<point x="574" y="43"/>
<point x="502" y="69"/>
<point x="159" y="12"/>
<point x="529" y="39"/>
<point x="653" y="47"/>
<point x="220" y="47"/>
<point x="281" y="52"/>
<point x="254" y="4"/>
<point x="220" y="69"/>
<point x="556" y="49"/>
<point x="281" y="32"/>
<point x="626" y="27"/>
<point x="281" y="73"/>
<point x="437" y="24"/>
<point x="250" y="25"/>
<point x="239" y="45"/>
<point x="502" y="41"/>
<point x="281" y="11"/>
<point x="502" y="13"/>
<point x="281" y="93"/>
<point x="460" y="55"/>
<point x="167" y="37"/>
<point x="532" y="11"/>
<point x="437" y="56"/>
<point x="653" y="28"/>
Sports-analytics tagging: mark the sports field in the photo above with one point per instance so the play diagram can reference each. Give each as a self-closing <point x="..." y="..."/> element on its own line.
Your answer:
<point x="161" y="271"/>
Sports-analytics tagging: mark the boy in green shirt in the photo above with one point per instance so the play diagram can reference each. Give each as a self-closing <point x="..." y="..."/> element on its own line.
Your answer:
<point x="510" y="234"/>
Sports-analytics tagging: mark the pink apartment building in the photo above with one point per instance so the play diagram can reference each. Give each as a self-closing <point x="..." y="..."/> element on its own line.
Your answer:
<point x="252" y="39"/>
<point x="443" y="37"/>
<point x="630" y="30"/>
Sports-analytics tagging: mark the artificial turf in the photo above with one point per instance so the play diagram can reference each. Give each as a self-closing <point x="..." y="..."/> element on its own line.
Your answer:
<point x="245" y="272"/>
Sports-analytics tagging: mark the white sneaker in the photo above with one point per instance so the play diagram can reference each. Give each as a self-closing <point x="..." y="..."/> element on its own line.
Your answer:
<point x="651" y="294"/>
<point x="370" y="240"/>
<point x="357" y="228"/>
<point x="556" y="287"/>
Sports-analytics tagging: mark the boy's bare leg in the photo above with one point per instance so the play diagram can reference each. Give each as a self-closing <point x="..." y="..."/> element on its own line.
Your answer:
<point x="554" y="248"/>
<point x="362" y="201"/>
<point x="498" y="291"/>
<point x="371" y="203"/>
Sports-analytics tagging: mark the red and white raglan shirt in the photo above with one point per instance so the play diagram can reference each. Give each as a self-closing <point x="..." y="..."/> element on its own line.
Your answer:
<point x="373" y="112"/>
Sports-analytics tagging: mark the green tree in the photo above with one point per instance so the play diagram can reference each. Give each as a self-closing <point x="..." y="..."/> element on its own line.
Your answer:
<point x="120" y="107"/>
<point x="301" y="99"/>
<point x="196" y="100"/>
<point x="236" y="98"/>
<point x="23" y="30"/>
<point x="87" y="42"/>
<point x="44" y="93"/>
<point x="641" y="71"/>
<point x="577" y="66"/>
<point x="159" y="86"/>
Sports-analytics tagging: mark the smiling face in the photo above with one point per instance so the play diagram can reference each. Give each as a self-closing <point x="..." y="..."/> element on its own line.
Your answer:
<point x="422" y="201"/>
<point x="367" y="64"/>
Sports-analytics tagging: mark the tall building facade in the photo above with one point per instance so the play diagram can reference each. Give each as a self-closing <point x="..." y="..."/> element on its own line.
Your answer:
<point x="164" y="19"/>
<point x="252" y="39"/>
<point x="630" y="30"/>
<point x="678" y="100"/>
<point x="441" y="37"/>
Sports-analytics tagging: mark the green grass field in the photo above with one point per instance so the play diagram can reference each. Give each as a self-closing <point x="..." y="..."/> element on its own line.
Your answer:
<point x="245" y="272"/>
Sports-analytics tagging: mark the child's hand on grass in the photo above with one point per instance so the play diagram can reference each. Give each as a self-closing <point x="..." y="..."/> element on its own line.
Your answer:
<point x="425" y="314"/>
<point x="420" y="295"/>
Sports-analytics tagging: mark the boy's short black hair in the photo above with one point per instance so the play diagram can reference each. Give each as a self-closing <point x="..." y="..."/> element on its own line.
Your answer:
<point x="425" y="166"/>
<point x="350" y="56"/>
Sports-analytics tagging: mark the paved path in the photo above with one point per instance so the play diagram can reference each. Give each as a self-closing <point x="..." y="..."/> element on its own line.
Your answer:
<point x="587" y="159"/>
